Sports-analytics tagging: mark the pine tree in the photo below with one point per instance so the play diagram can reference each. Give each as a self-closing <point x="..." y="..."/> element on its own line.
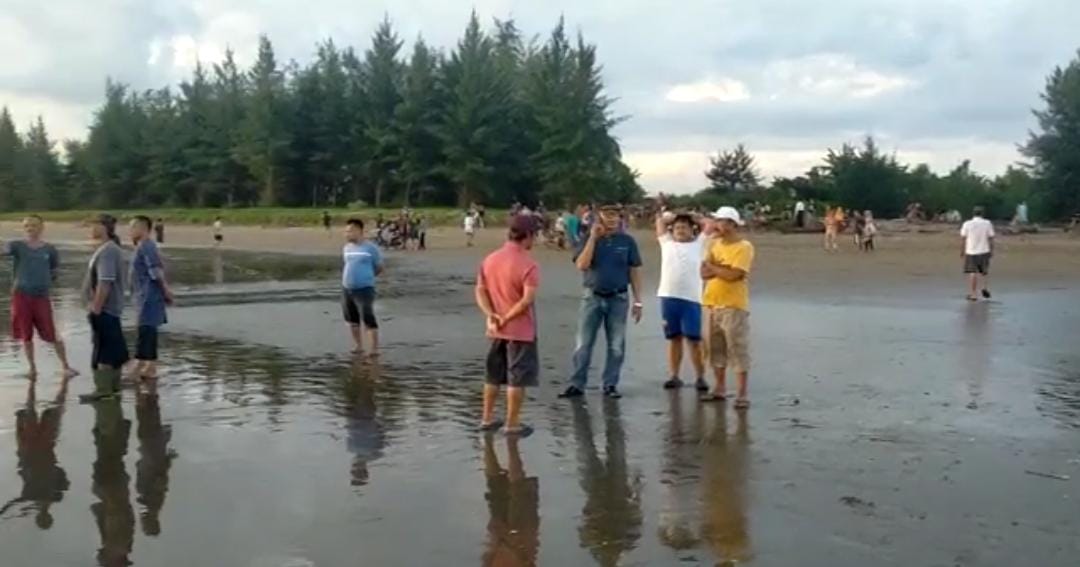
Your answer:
<point x="264" y="140"/>
<point x="477" y="101"/>
<point x="44" y="178"/>
<point x="1056" y="147"/>
<point x="416" y="119"/>
<point x="11" y="194"/>
<point x="230" y="90"/>
<point x="382" y="95"/>
<point x="732" y="171"/>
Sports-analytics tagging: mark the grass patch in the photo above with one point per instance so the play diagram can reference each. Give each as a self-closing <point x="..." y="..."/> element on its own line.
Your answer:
<point x="261" y="216"/>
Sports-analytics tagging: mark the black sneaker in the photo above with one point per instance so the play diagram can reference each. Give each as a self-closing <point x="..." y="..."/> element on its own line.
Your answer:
<point x="571" y="392"/>
<point x="701" y="386"/>
<point x="673" y="384"/>
<point x="611" y="392"/>
<point x="986" y="294"/>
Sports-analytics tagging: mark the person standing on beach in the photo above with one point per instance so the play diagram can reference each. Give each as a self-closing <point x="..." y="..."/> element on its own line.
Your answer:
<point x="218" y="230"/>
<point x="681" y="252"/>
<point x="611" y="263"/>
<point x="832" y="229"/>
<point x="103" y="292"/>
<point x="800" y="214"/>
<point x="506" y="286"/>
<point x="869" y="231"/>
<point x="159" y="230"/>
<point x="726" y="271"/>
<point x="977" y="236"/>
<point x="150" y="294"/>
<point x="362" y="264"/>
<point x="470" y="228"/>
<point x="35" y="264"/>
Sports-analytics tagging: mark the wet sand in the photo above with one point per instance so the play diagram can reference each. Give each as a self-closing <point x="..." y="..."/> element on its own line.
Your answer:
<point x="894" y="423"/>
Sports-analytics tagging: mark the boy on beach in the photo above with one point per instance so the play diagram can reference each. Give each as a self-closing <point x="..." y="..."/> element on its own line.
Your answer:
<point x="150" y="294"/>
<point x="681" y="252"/>
<point x="218" y="230"/>
<point x="505" y="291"/>
<point x="362" y="264"/>
<point x="726" y="271"/>
<point x="103" y="292"/>
<point x="35" y="263"/>
<point x="470" y="228"/>
<point x="977" y="236"/>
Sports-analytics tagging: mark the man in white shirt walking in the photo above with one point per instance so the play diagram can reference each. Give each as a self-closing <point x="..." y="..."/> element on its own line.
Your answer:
<point x="682" y="244"/>
<point x="977" y="235"/>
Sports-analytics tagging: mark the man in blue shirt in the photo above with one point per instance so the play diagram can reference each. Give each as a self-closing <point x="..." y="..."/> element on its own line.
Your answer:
<point x="363" y="262"/>
<point x="150" y="294"/>
<point x="611" y="263"/>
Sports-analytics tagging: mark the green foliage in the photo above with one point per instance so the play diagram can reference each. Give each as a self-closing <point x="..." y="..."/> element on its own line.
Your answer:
<point x="385" y="127"/>
<point x="1056" y="148"/>
<point x="731" y="171"/>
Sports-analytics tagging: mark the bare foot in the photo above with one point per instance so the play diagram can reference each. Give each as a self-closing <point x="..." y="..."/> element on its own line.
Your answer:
<point x="70" y="372"/>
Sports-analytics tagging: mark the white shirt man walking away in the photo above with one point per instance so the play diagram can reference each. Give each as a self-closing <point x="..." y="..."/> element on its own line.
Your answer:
<point x="977" y="235"/>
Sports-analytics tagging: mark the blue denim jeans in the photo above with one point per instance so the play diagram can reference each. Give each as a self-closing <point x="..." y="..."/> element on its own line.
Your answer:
<point x="596" y="312"/>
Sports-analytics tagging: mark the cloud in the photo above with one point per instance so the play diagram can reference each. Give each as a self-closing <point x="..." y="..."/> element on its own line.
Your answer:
<point x="719" y="90"/>
<point x="935" y="81"/>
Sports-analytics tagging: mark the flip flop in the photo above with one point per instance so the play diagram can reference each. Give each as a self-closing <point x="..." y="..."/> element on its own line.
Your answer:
<point x="713" y="397"/>
<point x="521" y="431"/>
<point x="493" y="426"/>
<point x="742" y="403"/>
<point x="673" y="384"/>
<point x="701" y="386"/>
<point x="972" y="298"/>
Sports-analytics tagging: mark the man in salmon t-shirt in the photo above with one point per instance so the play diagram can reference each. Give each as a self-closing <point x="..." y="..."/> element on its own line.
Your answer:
<point x="505" y="290"/>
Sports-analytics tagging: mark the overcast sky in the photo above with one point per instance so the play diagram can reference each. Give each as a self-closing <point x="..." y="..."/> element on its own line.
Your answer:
<point x="934" y="80"/>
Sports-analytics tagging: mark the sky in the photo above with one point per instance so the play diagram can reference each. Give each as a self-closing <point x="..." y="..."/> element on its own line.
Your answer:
<point x="935" y="81"/>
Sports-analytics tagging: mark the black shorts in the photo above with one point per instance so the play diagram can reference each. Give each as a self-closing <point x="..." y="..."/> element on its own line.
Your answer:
<point x="513" y="363"/>
<point x="977" y="264"/>
<point x="218" y="238"/>
<point x="146" y="345"/>
<point x="359" y="305"/>
<point x="110" y="346"/>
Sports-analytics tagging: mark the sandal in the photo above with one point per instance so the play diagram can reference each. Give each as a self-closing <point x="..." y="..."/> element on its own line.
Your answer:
<point x="673" y="384"/>
<point x="742" y="403"/>
<point x="493" y="426"/>
<point x="713" y="397"/>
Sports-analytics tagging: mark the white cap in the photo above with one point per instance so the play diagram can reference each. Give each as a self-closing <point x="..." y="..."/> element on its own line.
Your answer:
<point x="728" y="213"/>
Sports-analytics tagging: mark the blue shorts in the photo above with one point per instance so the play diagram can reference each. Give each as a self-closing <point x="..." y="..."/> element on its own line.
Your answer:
<point x="682" y="318"/>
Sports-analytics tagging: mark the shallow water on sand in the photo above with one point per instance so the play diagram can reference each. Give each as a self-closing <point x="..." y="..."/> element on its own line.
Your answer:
<point x="898" y="427"/>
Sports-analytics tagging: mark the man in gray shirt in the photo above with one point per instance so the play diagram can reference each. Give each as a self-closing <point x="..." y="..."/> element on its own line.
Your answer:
<point x="103" y="291"/>
<point x="35" y="263"/>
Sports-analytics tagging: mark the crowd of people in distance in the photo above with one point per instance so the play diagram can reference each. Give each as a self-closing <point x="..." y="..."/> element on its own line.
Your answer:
<point x="408" y="231"/>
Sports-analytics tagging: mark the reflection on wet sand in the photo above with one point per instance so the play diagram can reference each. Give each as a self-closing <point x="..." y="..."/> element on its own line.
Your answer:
<point x="726" y="460"/>
<point x="976" y="352"/>
<point x="113" y="512"/>
<point x="365" y="436"/>
<point x="44" y="481"/>
<point x="514" y="507"/>
<point x="611" y="519"/>
<point x="155" y="458"/>
<point x="680" y="476"/>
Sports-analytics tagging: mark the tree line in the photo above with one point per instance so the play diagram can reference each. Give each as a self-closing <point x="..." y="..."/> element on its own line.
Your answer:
<point x="863" y="177"/>
<point x="497" y="119"/>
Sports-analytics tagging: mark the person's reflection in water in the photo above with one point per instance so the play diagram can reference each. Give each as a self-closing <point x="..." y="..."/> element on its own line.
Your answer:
<point x="975" y="356"/>
<point x="611" y="518"/>
<point x="113" y="512"/>
<point x="513" y="502"/>
<point x="680" y="476"/>
<point x="44" y="482"/>
<point x="365" y="435"/>
<point x="724" y="526"/>
<point x="155" y="457"/>
<point x="218" y="267"/>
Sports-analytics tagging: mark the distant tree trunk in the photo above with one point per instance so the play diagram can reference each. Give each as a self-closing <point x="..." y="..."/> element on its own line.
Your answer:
<point x="378" y="193"/>
<point x="408" y="189"/>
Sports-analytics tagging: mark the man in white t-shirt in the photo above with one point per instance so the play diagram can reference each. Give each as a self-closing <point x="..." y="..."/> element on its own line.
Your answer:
<point x="800" y="214"/>
<point x="470" y="228"/>
<point x="978" y="238"/>
<point x="682" y="245"/>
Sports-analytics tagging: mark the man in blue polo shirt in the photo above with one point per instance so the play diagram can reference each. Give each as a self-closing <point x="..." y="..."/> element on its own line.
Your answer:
<point x="611" y="263"/>
<point x="362" y="264"/>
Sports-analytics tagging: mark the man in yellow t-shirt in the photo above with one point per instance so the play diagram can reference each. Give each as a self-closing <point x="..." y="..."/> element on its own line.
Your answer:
<point x="726" y="271"/>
